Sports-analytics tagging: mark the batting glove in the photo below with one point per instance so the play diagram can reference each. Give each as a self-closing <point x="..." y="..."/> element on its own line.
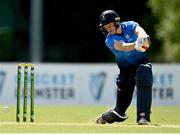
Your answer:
<point x="142" y="43"/>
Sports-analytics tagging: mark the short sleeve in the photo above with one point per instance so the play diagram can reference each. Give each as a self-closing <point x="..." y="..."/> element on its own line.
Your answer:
<point x="132" y="25"/>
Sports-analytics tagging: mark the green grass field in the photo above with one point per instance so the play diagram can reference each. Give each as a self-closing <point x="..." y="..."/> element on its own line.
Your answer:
<point x="81" y="119"/>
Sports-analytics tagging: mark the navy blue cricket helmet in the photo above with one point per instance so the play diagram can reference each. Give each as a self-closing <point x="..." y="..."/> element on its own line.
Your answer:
<point x="107" y="17"/>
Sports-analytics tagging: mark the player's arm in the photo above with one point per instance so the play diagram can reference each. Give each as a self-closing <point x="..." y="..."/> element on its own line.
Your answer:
<point x="142" y="43"/>
<point x="140" y="32"/>
<point x="122" y="46"/>
<point x="142" y="36"/>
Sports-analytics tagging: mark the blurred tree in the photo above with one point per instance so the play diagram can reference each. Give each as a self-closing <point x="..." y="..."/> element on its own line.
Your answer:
<point x="168" y="27"/>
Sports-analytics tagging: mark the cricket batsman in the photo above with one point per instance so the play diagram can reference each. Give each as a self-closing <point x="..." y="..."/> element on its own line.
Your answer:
<point x="129" y="42"/>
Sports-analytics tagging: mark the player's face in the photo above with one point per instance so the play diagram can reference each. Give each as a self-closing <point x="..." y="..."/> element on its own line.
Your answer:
<point x="110" y="28"/>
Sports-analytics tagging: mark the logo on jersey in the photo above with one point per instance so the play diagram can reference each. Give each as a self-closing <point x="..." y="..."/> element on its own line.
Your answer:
<point x="127" y="36"/>
<point x="97" y="82"/>
<point x="2" y="78"/>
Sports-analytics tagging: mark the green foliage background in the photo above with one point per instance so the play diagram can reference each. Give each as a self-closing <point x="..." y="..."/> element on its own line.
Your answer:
<point x="167" y="29"/>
